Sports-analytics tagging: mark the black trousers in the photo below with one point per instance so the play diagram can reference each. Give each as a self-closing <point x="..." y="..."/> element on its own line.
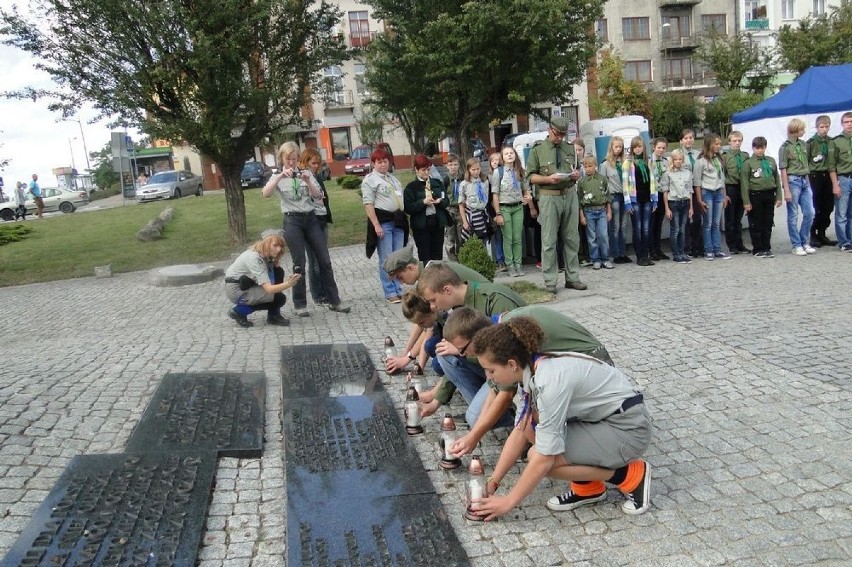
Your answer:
<point x="823" y="201"/>
<point x="657" y="218"/>
<point x="695" y="230"/>
<point x="760" y="219"/>
<point x="430" y="241"/>
<point x="734" y="218"/>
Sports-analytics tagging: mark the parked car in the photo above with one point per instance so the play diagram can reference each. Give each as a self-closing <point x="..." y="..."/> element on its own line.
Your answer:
<point x="55" y="199"/>
<point x="359" y="160"/>
<point x="255" y="174"/>
<point x="171" y="184"/>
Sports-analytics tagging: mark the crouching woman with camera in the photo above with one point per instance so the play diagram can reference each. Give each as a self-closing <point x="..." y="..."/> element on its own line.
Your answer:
<point x="586" y="423"/>
<point x="255" y="282"/>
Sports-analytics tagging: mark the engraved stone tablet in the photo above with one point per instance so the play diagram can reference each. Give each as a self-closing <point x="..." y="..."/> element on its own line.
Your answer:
<point x="327" y="370"/>
<point x="123" y="509"/>
<point x="222" y="412"/>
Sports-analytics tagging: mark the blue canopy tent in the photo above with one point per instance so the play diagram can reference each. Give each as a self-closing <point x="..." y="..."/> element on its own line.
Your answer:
<point x="817" y="91"/>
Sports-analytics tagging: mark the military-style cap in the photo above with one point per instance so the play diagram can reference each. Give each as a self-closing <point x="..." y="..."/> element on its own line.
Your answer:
<point x="400" y="259"/>
<point x="559" y="123"/>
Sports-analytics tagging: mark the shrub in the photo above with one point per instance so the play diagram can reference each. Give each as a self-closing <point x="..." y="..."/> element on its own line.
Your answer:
<point x="13" y="233"/>
<point x="474" y="255"/>
<point x="717" y="114"/>
<point x="349" y="181"/>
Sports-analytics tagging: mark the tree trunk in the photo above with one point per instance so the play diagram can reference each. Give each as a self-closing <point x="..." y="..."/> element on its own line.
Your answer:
<point x="236" y="203"/>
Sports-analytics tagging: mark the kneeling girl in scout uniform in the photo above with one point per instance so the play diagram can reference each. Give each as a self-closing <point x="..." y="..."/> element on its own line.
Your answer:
<point x="255" y="282"/>
<point x="587" y="424"/>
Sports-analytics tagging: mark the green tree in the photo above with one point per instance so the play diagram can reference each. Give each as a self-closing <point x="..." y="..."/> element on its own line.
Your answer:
<point x="221" y="76"/>
<point x="671" y="112"/>
<point x="735" y="58"/>
<point x="455" y="66"/>
<point x="818" y="40"/>
<point x="102" y="171"/>
<point x="718" y="113"/>
<point x="370" y="126"/>
<point x="617" y="96"/>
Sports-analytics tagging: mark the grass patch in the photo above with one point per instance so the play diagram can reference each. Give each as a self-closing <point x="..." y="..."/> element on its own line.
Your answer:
<point x="13" y="233"/>
<point x="70" y="246"/>
<point x="104" y="193"/>
<point x="532" y="293"/>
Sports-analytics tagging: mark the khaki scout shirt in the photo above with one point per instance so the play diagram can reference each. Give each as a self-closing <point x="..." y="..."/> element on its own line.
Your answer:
<point x="793" y="157"/>
<point x="754" y="178"/>
<point x="818" y="152"/>
<point x="733" y="166"/>
<point x="542" y="160"/>
<point x="840" y="155"/>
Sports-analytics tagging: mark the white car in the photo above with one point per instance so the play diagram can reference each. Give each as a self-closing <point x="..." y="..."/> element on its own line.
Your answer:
<point x="171" y="184"/>
<point x="55" y="199"/>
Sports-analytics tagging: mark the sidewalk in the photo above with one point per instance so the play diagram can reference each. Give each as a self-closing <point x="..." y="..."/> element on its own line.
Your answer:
<point x="745" y="365"/>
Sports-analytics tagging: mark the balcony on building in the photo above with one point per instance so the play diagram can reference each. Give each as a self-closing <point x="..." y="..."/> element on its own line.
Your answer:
<point x="678" y="43"/>
<point x="677" y="3"/>
<point x="342" y="99"/>
<point x="690" y="81"/>
<point x="757" y="25"/>
<point x="361" y="38"/>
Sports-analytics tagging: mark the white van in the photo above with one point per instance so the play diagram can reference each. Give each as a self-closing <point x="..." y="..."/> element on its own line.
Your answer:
<point x="596" y="134"/>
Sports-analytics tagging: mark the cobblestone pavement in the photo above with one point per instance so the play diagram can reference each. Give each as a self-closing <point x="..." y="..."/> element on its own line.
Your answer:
<point x="745" y="363"/>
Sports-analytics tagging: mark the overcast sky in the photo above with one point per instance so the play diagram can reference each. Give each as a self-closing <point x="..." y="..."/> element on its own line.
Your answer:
<point x="32" y="137"/>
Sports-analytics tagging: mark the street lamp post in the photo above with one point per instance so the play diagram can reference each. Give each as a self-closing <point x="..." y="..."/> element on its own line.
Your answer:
<point x="71" y="149"/>
<point x="82" y="137"/>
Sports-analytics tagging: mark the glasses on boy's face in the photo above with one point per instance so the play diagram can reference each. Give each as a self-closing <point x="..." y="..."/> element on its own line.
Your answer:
<point x="464" y="348"/>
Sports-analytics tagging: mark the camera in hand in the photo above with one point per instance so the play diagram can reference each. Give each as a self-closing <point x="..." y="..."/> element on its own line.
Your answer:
<point x="297" y="269"/>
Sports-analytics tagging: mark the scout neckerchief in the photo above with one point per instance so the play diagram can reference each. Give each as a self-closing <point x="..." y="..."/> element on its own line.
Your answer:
<point x="643" y="168"/>
<point x="618" y="167"/>
<point x="717" y="165"/>
<point x="739" y="158"/>
<point x="480" y="191"/>
<point x="659" y="162"/>
<point x="800" y="155"/>
<point x="525" y="395"/>
<point x="691" y="158"/>
<point x="295" y="186"/>
<point x="764" y="165"/>
<point x="823" y="146"/>
<point x="456" y="188"/>
<point x="390" y="182"/>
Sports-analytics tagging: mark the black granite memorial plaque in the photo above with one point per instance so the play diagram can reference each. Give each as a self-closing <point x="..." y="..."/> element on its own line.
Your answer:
<point x="132" y="509"/>
<point x="327" y="370"/>
<point x="222" y="412"/>
<point x="357" y="493"/>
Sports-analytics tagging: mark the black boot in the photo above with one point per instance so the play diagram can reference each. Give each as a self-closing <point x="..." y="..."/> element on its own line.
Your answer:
<point x="824" y="239"/>
<point x="277" y="319"/>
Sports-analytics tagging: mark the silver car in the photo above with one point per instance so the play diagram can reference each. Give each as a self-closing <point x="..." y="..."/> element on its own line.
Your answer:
<point x="170" y="185"/>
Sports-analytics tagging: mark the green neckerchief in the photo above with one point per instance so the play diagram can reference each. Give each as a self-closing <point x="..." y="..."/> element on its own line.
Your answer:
<point x="717" y="165"/>
<point x="643" y="168"/>
<point x="823" y="146"/>
<point x="739" y="157"/>
<point x="764" y="165"/>
<point x="799" y="153"/>
<point x="295" y="188"/>
<point x="660" y="168"/>
<point x="691" y="157"/>
<point x="618" y="167"/>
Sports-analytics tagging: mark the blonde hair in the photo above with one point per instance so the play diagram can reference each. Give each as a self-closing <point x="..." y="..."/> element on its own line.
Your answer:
<point x="676" y="153"/>
<point x="735" y="134"/>
<point x="590" y="160"/>
<point x="610" y="154"/>
<point x="796" y="125"/>
<point x="264" y="246"/>
<point x="286" y="149"/>
<point x="435" y="277"/>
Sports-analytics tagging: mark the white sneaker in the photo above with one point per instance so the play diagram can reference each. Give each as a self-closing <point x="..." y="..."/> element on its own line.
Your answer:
<point x="799" y="251"/>
<point x="810" y="249"/>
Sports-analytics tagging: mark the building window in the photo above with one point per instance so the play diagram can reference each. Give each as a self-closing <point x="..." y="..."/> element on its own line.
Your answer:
<point x="635" y="28"/>
<point x="572" y="113"/>
<point x="334" y="77"/>
<point x="638" y="71"/>
<point x="675" y="27"/>
<point x="360" y="85"/>
<point x="359" y="29"/>
<point x="714" y="22"/>
<point x="787" y="9"/>
<point x="755" y="15"/>
<point x="340" y="143"/>
<point x="677" y="70"/>
<point x="601" y="30"/>
<point x="819" y="7"/>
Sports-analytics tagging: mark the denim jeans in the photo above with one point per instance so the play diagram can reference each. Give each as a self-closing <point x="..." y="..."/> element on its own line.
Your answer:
<point x="641" y="220"/>
<point x="617" y="226"/>
<point x="713" y="200"/>
<point x="315" y="282"/>
<point x="843" y="211"/>
<point x="301" y="231"/>
<point x="497" y="245"/>
<point x="802" y="197"/>
<point x="389" y="243"/>
<point x="680" y="214"/>
<point x="596" y="232"/>
<point x="469" y="378"/>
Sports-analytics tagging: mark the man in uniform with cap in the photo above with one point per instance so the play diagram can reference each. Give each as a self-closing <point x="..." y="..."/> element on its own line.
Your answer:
<point x="550" y="166"/>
